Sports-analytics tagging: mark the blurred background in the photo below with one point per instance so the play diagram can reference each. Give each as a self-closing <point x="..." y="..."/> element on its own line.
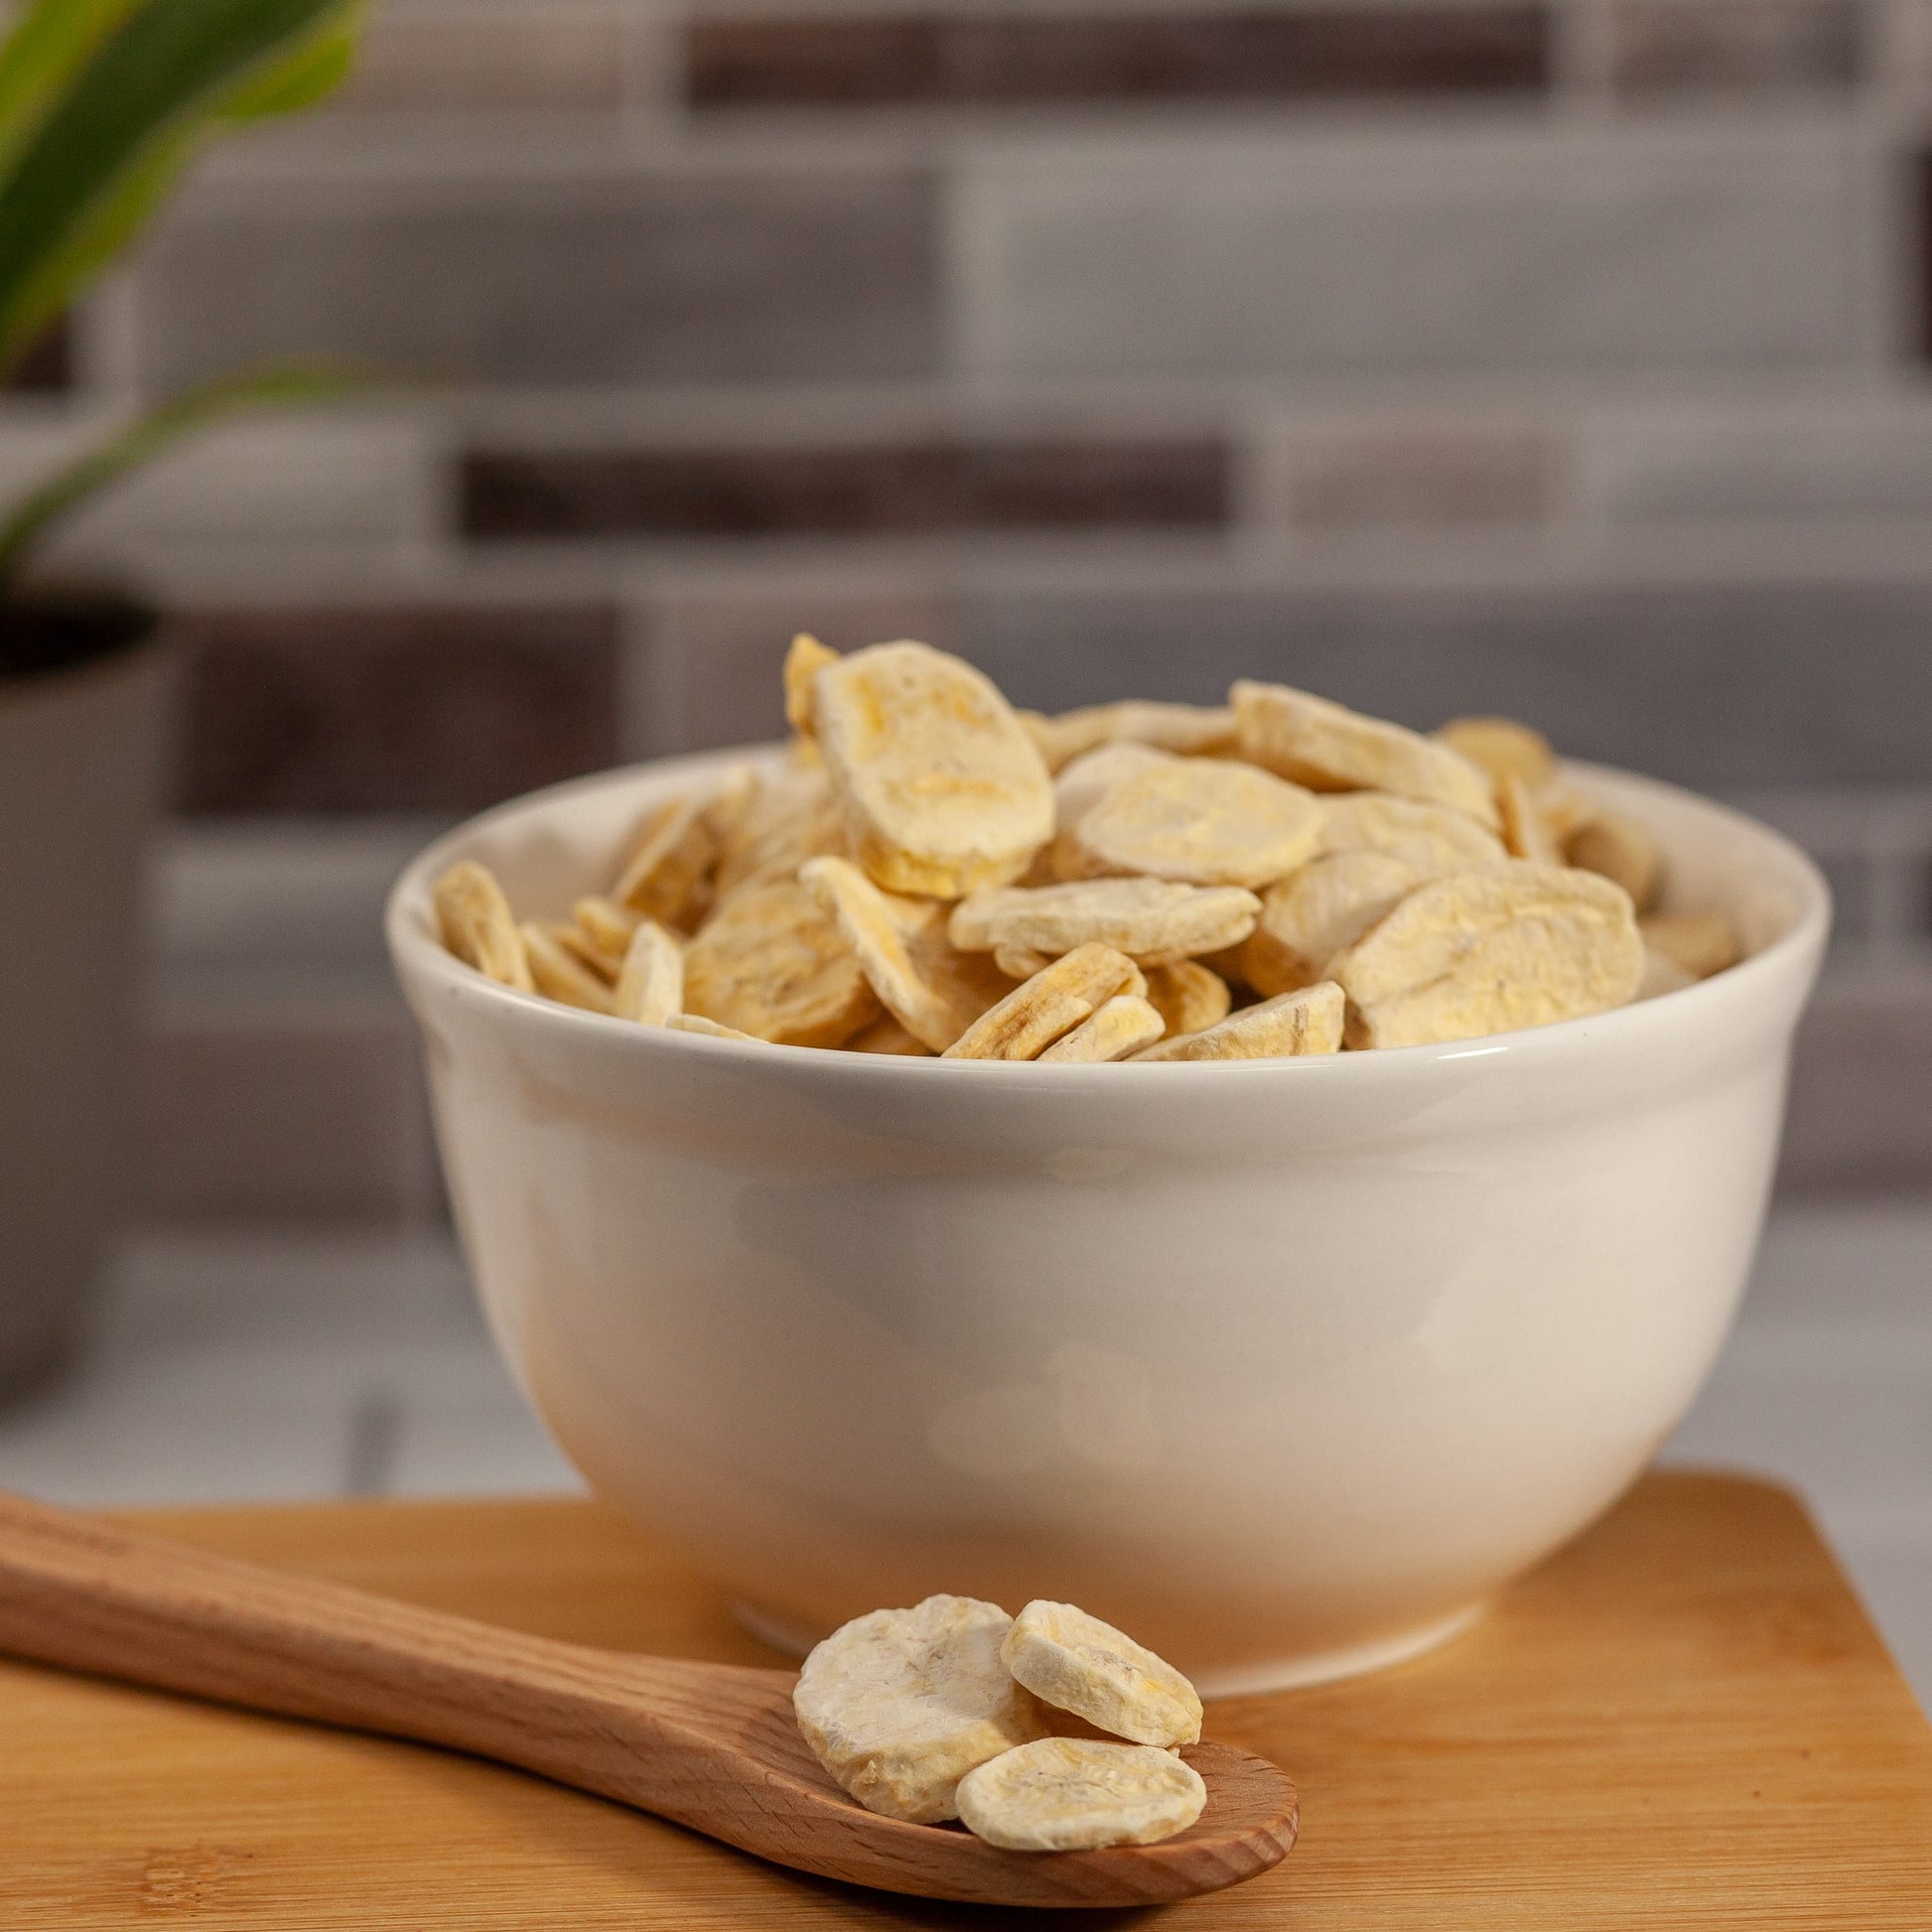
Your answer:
<point x="1566" y="358"/>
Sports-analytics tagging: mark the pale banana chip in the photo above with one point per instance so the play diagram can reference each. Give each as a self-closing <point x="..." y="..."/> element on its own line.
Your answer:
<point x="665" y="874"/>
<point x="887" y="1035"/>
<point x="1618" y="848"/>
<point x="1526" y="832"/>
<point x="927" y="984"/>
<point x="1427" y="838"/>
<point x="1308" y="1021"/>
<point x="1308" y="918"/>
<point x="1054" y="1002"/>
<point x="650" y="982"/>
<point x="476" y="924"/>
<point x="1188" y="996"/>
<point x="558" y="972"/>
<point x="582" y="948"/>
<point x="1329" y="748"/>
<point x="1123" y="1025"/>
<point x="900" y="1705"/>
<point x="803" y="661"/>
<point x="941" y="790"/>
<point x="1564" y="811"/>
<point x="1082" y="784"/>
<point x="790" y="816"/>
<point x="606" y="925"/>
<point x="1075" y="1661"/>
<point x="1489" y="951"/>
<point x="1197" y="821"/>
<point x="1502" y="748"/>
<point x="1021" y="962"/>
<point x="696" y="1023"/>
<point x="1702" y="943"/>
<point x="1078" y="1794"/>
<point x="1192" y="730"/>
<point x="1155" y="921"/>
<point x="1661" y="975"/>
<point x="772" y="963"/>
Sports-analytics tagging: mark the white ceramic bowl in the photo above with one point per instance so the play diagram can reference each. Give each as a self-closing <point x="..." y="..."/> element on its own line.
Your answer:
<point x="1286" y="1366"/>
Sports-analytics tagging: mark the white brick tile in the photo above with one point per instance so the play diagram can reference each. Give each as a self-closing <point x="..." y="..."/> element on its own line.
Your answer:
<point x="1448" y="253"/>
<point x="314" y="477"/>
<point x="1835" y="460"/>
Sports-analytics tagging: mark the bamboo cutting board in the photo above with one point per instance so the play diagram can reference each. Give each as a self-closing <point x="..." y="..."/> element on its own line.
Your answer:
<point x="1682" y="1720"/>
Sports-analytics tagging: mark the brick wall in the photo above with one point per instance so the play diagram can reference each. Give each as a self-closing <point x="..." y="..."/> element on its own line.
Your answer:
<point x="1567" y="358"/>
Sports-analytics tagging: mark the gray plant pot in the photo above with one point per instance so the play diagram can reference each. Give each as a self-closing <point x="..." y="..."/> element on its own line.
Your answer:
<point x="85" y="683"/>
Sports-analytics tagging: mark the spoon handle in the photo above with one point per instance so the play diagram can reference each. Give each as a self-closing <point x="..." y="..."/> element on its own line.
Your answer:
<point x="92" y="1596"/>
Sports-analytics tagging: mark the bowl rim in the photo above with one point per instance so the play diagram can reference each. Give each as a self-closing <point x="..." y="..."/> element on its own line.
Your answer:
<point x="420" y="959"/>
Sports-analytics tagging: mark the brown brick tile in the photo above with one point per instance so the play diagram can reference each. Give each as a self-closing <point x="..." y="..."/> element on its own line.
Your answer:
<point x="394" y="710"/>
<point x="829" y="60"/>
<point x="1732" y="46"/>
<point x="47" y="363"/>
<point x="844" y="490"/>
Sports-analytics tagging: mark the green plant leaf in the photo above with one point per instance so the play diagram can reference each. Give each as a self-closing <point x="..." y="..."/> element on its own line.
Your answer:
<point x="50" y="41"/>
<point x="107" y="153"/>
<point x="148" y="437"/>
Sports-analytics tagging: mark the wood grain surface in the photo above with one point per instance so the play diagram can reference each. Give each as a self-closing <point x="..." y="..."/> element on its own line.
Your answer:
<point x="711" y="1746"/>
<point x="1684" y="1720"/>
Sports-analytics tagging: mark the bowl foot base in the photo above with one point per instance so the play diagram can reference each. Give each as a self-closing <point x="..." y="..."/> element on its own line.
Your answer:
<point x="1326" y="1666"/>
<point x="1284" y="1674"/>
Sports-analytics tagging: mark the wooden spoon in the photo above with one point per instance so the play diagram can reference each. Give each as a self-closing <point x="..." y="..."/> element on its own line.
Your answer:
<point x="713" y="1746"/>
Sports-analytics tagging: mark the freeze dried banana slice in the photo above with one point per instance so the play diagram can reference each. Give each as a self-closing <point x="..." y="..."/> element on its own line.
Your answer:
<point x="1661" y="975"/>
<point x="1089" y="779"/>
<point x="1526" y="832"/>
<point x="1488" y="951"/>
<point x="772" y="963"/>
<point x="930" y="987"/>
<point x="1155" y="921"/>
<point x="1075" y="1661"/>
<point x="650" y="982"/>
<point x="1021" y="962"/>
<point x="900" y="1705"/>
<point x="941" y="790"/>
<point x="1192" y="730"/>
<point x="790" y="816"/>
<point x="1197" y="821"/>
<point x="665" y="874"/>
<point x="476" y="924"/>
<point x="607" y="926"/>
<point x="1188" y="996"/>
<point x="1427" y="838"/>
<point x="696" y="1023"/>
<point x="1618" y="848"/>
<point x="1307" y="920"/>
<point x="1123" y="1025"/>
<point x="1702" y="943"/>
<point x="1290" y="1026"/>
<point x="1502" y="748"/>
<point x="1077" y="1794"/>
<point x="1329" y="748"/>
<point x="559" y="974"/>
<point x="804" y="662"/>
<point x="887" y="1035"/>
<point x="1054" y="1002"/>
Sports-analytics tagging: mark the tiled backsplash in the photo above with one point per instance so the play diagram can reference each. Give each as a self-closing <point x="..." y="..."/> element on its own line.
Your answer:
<point x="1563" y="358"/>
